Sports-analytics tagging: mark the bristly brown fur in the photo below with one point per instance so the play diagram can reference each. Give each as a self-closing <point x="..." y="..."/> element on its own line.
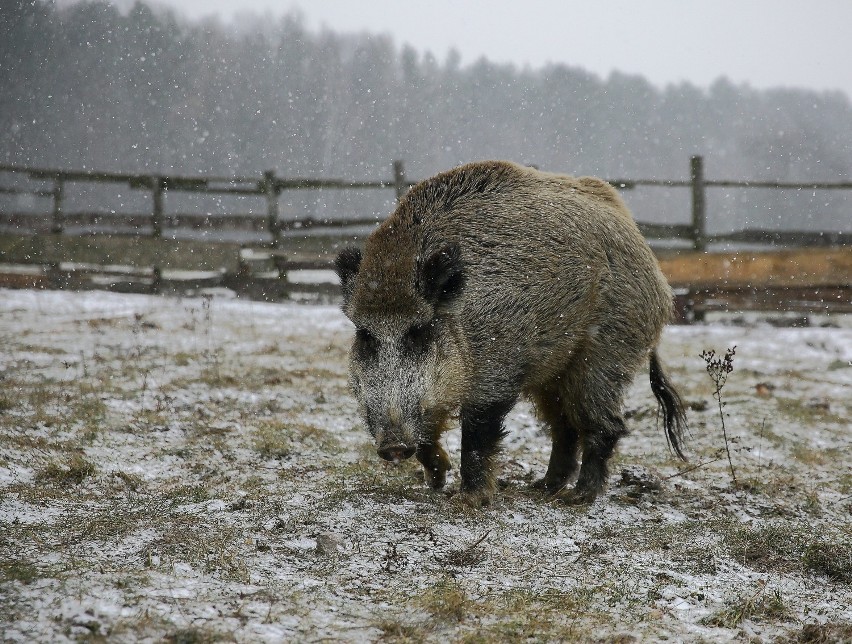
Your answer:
<point x="533" y="284"/>
<point x="443" y="192"/>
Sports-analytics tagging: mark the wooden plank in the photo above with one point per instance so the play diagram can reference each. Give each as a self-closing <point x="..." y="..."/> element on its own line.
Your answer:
<point x="795" y="267"/>
<point x="23" y="276"/>
<point x="25" y="191"/>
<point x="25" y="222"/>
<point x="780" y="185"/>
<point x="134" y="179"/>
<point x="666" y="231"/>
<point x="808" y="299"/>
<point x="334" y="184"/>
<point x="765" y="303"/>
<point x="691" y="305"/>
<point x="319" y="264"/>
<point x="784" y="237"/>
<point x="305" y="224"/>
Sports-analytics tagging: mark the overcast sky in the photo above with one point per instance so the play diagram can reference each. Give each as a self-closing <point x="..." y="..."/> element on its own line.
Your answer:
<point x="766" y="43"/>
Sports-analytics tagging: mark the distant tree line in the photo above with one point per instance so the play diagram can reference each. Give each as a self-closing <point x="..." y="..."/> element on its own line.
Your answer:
<point x="89" y="86"/>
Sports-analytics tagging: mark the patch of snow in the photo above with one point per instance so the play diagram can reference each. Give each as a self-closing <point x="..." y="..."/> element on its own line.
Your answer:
<point x="188" y="521"/>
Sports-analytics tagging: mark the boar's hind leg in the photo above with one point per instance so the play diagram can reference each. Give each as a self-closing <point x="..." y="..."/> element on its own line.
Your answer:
<point x="563" y="454"/>
<point x="482" y="431"/>
<point x="435" y="463"/>
<point x="601" y="431"/>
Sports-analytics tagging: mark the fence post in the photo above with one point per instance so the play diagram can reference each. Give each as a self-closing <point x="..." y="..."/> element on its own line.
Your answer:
<point x="270" y="187"/>
<point x="157" y="221"/>
<point x="699" y="212"/>
<point x="399" y="179"/>
<point x="56" y="226"/>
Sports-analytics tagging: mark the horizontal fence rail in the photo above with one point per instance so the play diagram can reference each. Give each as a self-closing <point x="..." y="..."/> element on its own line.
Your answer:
<point x="269" y="186"/>
<point x="702" y="283"/>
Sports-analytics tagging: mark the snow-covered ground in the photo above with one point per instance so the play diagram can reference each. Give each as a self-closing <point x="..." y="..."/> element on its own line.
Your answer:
<point x="193" y="470"/>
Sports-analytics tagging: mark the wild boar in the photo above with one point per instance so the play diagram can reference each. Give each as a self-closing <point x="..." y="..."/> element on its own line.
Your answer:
<point x="494" y="281"/>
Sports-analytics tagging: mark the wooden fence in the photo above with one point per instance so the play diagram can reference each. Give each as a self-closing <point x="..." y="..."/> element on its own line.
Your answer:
<point x="814" y="280"/>
<point x="269" y="186"/>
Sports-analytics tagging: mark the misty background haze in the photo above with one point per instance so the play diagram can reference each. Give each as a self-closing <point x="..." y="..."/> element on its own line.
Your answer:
<point x="90" y="86"/>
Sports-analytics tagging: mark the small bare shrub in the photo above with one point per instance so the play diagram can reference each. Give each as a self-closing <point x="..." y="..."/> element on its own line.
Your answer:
<point x="718" y="370"/>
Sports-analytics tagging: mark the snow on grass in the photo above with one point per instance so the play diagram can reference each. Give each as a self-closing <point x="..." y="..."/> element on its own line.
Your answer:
<point x="193" y="470"/>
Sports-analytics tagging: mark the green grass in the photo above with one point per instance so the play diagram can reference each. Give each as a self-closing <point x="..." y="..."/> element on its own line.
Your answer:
<point x="447" y="601"/>
<point x="18" y="570"/>
<point x="786" y="547"/>
<point x="195" y="635"/>
<point x="274" y="439"/>
<point x="816" y="633"/>
<point x="832" y="559"/>
<point x="183" y="494"/>
<point x="400" y="632"/>
<point x="808" y="412"/>
<point x="66" y="473"/>
<point x="547" y="616"/>
<point x="761" y="606"/>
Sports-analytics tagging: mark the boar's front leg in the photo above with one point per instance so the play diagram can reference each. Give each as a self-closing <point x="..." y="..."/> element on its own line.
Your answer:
<point x="435" y="463"/>
<point x="482" y="431"/>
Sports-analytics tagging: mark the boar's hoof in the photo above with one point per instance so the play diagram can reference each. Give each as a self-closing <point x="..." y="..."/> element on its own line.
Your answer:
<point x="474" y="498"/>
<point x="435" y="478"/>
<point x="549" y="487"/>
<point x="396" y="453"/>
<point x="435" y="464"/>
<point x="578" y="496"/>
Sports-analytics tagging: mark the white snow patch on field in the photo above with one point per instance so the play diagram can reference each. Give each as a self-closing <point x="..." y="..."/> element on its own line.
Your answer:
<point x="194" y="469"/>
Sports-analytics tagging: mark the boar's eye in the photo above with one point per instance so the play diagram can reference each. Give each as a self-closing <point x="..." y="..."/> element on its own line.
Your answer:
<point x="366" y="342"/>
<point x="419" y="337"/>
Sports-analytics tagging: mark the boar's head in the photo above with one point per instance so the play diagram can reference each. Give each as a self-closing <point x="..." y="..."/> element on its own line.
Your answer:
<point x="407" y="360"/>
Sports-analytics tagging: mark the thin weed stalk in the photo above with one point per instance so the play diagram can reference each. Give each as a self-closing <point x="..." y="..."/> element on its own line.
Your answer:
<point x="210" y="356"/>
<point x="718" y="368"/>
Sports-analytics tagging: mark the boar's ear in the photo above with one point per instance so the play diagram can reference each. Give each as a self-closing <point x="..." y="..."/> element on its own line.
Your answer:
<point x="441" y="276"/>
<point x="346" y="265"/>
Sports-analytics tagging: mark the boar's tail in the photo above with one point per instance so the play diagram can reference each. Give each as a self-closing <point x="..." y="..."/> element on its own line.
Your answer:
<point x="674" y="416"/>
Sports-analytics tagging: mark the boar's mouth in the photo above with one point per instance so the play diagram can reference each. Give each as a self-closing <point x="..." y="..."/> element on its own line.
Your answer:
<point x="394" y="445"/>
<point x="396" y="453"/>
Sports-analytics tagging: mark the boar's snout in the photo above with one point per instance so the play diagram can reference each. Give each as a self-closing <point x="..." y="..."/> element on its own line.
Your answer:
<point x="396" y="453"/>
